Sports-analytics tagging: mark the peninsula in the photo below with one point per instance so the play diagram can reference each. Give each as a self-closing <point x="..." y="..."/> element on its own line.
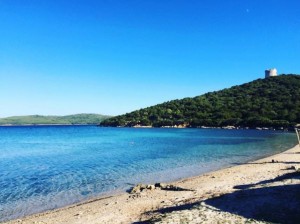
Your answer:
<point x="272" y="102"/>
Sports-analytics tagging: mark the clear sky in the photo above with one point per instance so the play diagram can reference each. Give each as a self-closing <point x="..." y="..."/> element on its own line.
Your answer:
<point x="62" y="57"/>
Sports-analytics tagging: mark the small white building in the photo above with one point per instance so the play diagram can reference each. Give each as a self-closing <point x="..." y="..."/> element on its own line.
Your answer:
<point x="270" y="72"/>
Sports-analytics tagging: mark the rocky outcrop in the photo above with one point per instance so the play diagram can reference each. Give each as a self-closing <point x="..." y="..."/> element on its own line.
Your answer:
<point x="141" y="187"/>
<point x="161" y="186"/>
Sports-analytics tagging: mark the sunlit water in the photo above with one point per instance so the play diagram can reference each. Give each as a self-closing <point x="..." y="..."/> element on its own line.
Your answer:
<point x="48" y="167"/>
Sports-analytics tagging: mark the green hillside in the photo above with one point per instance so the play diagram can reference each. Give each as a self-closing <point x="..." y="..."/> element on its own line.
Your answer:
<point x="69" y="119"/>
<point x="271" y="102"/>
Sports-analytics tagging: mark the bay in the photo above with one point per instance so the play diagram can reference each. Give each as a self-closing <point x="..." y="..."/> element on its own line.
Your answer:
<point x="47" y="167"/>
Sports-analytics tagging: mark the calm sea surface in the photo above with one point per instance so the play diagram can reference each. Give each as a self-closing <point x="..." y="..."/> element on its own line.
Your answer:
<point x="48" y="167"/>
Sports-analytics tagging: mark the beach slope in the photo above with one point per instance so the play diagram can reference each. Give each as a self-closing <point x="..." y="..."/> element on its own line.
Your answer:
<point x="266" y="190"/>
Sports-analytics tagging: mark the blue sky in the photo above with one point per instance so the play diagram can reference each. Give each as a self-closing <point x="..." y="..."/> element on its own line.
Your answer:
<point x="113" y="56"/>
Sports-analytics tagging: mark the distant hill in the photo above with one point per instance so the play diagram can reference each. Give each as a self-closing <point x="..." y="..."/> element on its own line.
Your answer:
<point x="271" y="102"/>
<point x="51" y="120"/>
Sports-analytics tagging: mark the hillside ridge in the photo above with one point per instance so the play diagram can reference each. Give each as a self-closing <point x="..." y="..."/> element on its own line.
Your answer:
<point x="270" y="102"/>
<point x="83" y="118"/>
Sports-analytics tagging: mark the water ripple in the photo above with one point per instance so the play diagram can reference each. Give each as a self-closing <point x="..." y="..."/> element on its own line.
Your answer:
<point x="43" y="168"/>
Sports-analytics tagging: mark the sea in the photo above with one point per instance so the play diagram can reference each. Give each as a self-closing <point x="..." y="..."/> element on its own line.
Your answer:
<point x="47" y="167"/>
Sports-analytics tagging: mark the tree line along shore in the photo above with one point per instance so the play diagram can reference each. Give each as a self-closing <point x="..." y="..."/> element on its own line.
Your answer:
<point x="270" y="103"/>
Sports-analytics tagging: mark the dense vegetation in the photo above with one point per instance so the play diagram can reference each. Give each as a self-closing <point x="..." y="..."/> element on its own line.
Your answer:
<point x="69" y="119"/>
<point x="271" y="102"/>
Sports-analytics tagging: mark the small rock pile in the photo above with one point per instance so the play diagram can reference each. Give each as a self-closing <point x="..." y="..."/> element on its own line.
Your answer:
<point x="161" y="186"/>
<point x="141" y="187"/>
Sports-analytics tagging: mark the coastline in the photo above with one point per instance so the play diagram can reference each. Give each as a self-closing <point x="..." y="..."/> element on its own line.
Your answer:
<point x="189" y="203"/>
<point x="26" y="125"/>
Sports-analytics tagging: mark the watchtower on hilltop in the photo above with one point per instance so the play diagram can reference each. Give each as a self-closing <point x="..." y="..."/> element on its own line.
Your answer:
<point x="270" y="72"/>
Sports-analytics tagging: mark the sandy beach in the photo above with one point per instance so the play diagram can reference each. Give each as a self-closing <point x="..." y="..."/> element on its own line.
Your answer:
<point x="266" y="190"/>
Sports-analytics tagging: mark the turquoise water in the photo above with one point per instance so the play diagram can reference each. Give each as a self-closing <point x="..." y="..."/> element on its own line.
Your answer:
<point x="47" y="167"/>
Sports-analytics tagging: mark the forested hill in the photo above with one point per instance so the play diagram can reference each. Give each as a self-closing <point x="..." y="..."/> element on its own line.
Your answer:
<point x="271" y="102"/>
<point x="51" y="120"/>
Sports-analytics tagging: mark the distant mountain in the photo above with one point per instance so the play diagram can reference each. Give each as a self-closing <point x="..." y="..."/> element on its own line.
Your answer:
<point x="271" y="102"/>
<point x="52" y="120"/>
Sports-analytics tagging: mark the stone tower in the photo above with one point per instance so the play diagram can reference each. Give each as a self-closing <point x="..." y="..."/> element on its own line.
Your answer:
<point x="270" y="72"/>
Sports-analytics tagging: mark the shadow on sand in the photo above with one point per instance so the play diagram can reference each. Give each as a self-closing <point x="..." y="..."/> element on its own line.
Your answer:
<point x="275" y="204"/>
<point x="291" y="152"/>
<point x="247" y="163"/>
<point x="287" y="176"/>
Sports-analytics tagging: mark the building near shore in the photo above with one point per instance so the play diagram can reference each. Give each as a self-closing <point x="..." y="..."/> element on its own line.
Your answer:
<point x="270" y="72"/>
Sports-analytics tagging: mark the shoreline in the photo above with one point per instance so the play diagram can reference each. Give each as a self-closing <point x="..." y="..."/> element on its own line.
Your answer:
<point x="30" y="125"/>
<point x="259" y="128"/>
<point x="145" y="205"/>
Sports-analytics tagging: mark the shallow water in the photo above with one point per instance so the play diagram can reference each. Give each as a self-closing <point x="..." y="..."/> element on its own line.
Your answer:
<point x="46" y="167"/>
